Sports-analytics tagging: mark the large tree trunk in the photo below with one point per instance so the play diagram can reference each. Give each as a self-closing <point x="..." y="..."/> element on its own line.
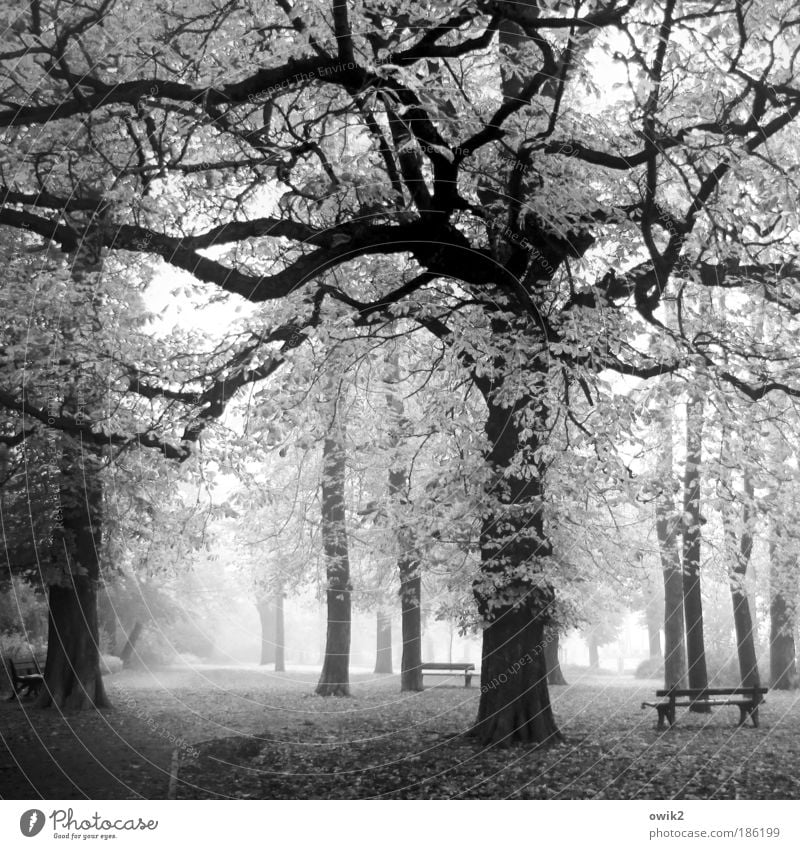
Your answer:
<point x="692" y="521"/>
<point x="266" y="612"/>
<point x="666" y="530"/>
<point x="383" y="644"/>
<point x="72" y="677"/>
<point x="335" y="677"/>
<point x="515" y="700"/>
<point x="555" y="677"/>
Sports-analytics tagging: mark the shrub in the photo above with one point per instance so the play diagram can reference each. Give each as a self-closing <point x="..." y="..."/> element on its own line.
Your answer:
<point x="651" y="667"/>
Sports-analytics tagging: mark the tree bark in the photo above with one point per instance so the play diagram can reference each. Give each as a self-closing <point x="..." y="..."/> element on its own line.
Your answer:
<point x="692" y="521"/>
<point x="72" y="676"/>
<point x="335" y="677"/>
<point x="515" y="701"/>
<point x="555" y="677"/>
<point x="383" y="644"/>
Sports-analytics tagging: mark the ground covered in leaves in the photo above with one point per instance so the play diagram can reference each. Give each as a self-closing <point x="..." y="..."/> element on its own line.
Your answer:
<point x="225" y="732"/>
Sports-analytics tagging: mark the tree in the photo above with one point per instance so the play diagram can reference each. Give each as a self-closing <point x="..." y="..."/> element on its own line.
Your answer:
<point x="408" y="559"/>
<point x="667" y="524"/>
<point x="383" y="644"/>
<point x="491" y="224"/>
<point x="335" y="676"/>
<point x="783" y="566"/>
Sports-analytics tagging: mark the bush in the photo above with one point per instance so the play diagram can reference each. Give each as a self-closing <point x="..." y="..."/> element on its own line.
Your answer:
<point x="651" y="667"/>
<point x="723" y="669"/>
<point x="23" y="611"/>
<point x="14" y="644"/>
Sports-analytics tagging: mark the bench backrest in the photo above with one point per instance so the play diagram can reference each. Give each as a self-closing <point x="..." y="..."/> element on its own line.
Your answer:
<point x="713" y="691"/>
<point x="462" y="666"/>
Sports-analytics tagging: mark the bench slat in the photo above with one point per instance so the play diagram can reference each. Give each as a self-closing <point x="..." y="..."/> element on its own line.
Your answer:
<point x="713" y="691"/>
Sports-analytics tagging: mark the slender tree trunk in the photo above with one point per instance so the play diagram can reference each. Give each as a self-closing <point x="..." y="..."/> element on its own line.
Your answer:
<point x="692" y="522"/>
<point x="383" y="644"/>
<point x="653" y="613"/>
<point x="411" y="624"/>
<point x="280" y="633"/>
<point x="515" y="701"/>
<point x="742" y="618"/>
<point x="108" y="620"/>
<point x="783" y="571"/>
<point x="266" y="612"/>
<point x="674" y="632"/>
<point x="555" y="677"/>
<point x="408" y="565"/>
<point x="653" y="638"/>
<point x="782" y="649"/>
<point x="130" y="644"/>
<point x="666" y="530"/>
<point x="594" y="651"/>
<point x="335" y="677"/>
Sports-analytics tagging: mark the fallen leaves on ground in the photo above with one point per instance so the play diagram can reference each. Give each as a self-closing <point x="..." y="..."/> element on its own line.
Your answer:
<point x="263" y="735"/>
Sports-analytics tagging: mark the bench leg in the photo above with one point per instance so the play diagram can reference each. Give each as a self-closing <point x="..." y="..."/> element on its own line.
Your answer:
<point x="746" y="711"/>
<point x="467" y="680"/>
<point x="662" y="713"/>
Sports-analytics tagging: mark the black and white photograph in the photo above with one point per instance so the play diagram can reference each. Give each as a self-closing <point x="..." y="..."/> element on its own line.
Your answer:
<point x="400" y="400"/>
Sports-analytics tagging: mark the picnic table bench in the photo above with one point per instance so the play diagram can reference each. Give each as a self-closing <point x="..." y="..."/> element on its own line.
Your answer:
<point x="746" y="698"/>
<point x="465" y="669"/>
<point x="24" y="675"/>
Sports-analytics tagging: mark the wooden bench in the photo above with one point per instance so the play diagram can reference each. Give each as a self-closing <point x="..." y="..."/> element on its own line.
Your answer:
<point x="749" y="698"/>
<point x="465" y="669"/>
<point x="24" y="675"/>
